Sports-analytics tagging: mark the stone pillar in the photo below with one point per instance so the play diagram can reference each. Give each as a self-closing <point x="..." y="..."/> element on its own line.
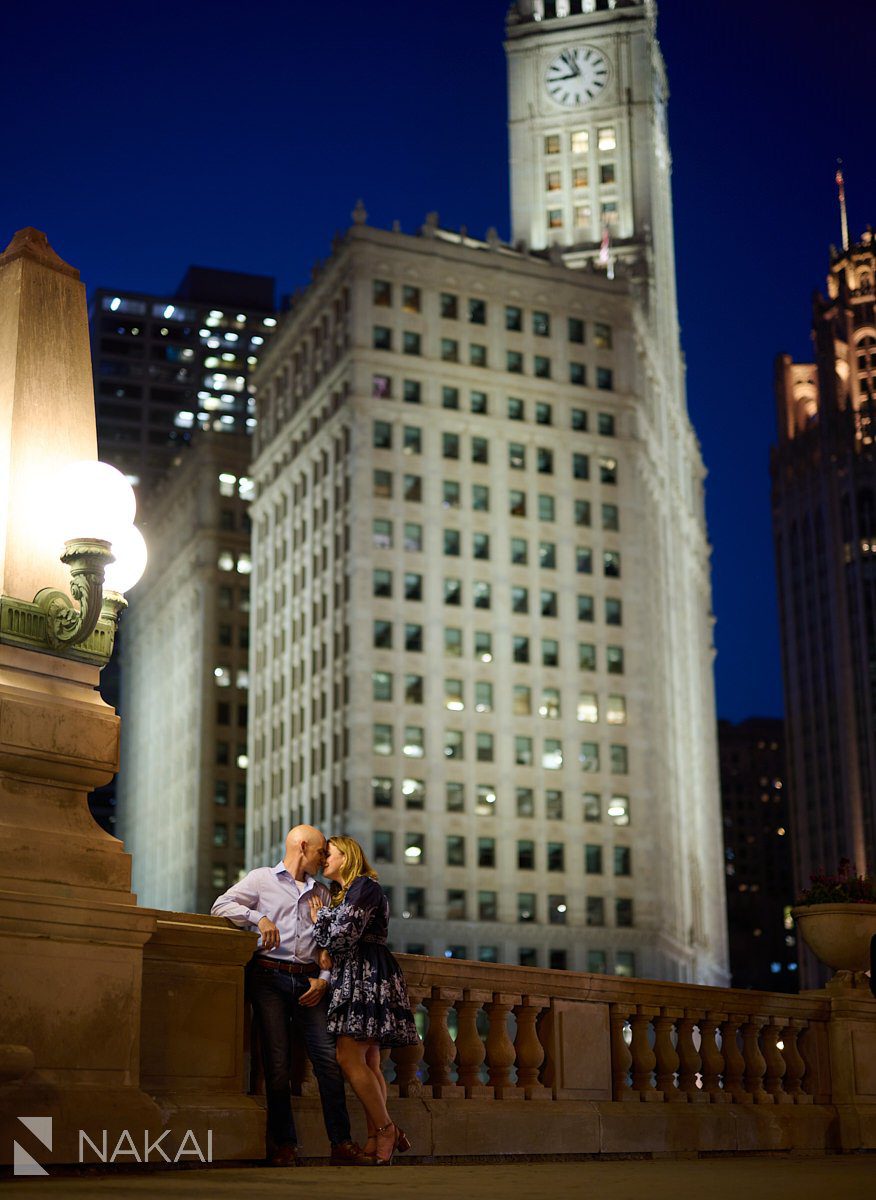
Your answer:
<point x="852" y="1042"/>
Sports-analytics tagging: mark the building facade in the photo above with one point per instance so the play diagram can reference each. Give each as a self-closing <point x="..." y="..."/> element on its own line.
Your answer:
<point x="182" y="780"/>
<point x="824" y="520"/>
<point x="757" y="847"/>
<point x="481" y="625"/>
<point x="165" y="366"/>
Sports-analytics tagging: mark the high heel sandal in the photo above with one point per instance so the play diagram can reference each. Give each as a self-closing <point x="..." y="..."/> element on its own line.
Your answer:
<point x="400" y="1143"/>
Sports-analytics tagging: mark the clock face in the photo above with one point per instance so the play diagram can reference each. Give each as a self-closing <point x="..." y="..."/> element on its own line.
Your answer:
<point x="576" y="76"/>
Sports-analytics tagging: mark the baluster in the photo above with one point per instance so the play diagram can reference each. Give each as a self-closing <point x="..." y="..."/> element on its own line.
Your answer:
<point x="755" y="1063"/>
<point x="439" y="1048"/>
<point x="734" y="1063"/>
<point x="407" y="1059"/>
<point x="500" y="1048"/>
<point x="665" y="1057"/>
<point x="644" y="1059"/>
<point x="621" y="1059"/>
<point x="470" y="1048"/>
<point x="712" y="1059"/>
<point x="794" y="1064"/>
<point x="775" y="1062"/>
<point x="529" y="1050"/>
<point x="689" y="1064"/>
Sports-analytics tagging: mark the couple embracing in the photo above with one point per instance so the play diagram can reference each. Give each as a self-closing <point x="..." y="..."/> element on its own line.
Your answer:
<point x="322" y="970"/>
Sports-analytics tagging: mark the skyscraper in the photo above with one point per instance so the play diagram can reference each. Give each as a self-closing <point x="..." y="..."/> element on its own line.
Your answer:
<point x="824" y="521"/>
<point x="481" y="629"/>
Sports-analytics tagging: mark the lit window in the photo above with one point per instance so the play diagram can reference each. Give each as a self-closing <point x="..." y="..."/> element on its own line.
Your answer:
<point x="244" y="564"/>
<point x="580" y="141"/>
<point x="588" y="708"/>
<point x="550" y="703"/>
<point x="227" y="484"/>
<point x="414" y="745"/>
<point x="618" y="810"/>
<point x="588" y="756"/>
<point x="606" y="139"/>
<point x="616" y="710"/>
<point x="453" y="699"/>
<point x="592" y="806"/>
<point x="614" y="660"/>
<point x="415" y="848"/>
<point x="225" y="562"/>
<point x="222" y="675"/>
<point x="552" y="143"/>
<point x="557" y="910"/>
<point x="483" y="697"/>
<point x="381" y="792"/>
<point x="522" y="701"/>
<point x="414" y="792"/>
<point x="410" y="299"/>
<point x="611" y="563"/>
<point x="552" y="181"/>
<point x="580" y="177"/>
<point x="381" y="534"/>
<point x="608" y="470"/>
<point x="381" y="685"/>
<point x="381" y="742"/>
<point x="555" y="218"/>
<point x="583" y="216"/>
<point x="453" y="642"/>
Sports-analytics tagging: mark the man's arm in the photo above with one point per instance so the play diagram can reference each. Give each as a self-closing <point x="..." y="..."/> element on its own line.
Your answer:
<point x="240" y="903"/>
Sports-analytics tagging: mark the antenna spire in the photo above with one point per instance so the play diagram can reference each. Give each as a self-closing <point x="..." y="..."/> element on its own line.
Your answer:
<point x="841" y="188"/>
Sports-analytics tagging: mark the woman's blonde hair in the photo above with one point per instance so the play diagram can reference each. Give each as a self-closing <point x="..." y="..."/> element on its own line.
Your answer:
<point x="355" y="864"/>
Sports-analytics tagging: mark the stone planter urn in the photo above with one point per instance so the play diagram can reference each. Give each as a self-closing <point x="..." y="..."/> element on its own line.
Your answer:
<point x="838" y="934"/>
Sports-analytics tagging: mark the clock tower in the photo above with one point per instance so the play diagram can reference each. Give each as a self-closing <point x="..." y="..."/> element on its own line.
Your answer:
<point x="588" y="148"/>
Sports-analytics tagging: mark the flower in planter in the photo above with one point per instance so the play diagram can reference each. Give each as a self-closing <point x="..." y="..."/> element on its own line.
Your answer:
<point x="846" y="887"/>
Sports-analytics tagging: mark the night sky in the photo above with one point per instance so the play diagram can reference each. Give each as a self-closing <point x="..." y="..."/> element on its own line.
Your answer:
<point x="145" y="138"/>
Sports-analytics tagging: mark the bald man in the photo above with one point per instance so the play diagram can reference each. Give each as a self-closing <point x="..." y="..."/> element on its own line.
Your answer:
<point x="288" y="990"/>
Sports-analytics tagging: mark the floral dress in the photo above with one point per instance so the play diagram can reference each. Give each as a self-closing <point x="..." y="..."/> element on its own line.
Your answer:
<point x="368" y="999"/>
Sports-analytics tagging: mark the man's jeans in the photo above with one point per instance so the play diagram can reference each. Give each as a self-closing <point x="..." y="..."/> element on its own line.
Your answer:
<point x="274" y="997"/>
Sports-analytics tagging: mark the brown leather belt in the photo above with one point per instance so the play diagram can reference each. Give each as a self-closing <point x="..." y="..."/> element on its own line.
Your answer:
<point x="288" y="968"/>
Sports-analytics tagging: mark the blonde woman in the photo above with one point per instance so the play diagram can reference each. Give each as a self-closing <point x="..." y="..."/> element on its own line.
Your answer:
<point x="368" y="1000"/>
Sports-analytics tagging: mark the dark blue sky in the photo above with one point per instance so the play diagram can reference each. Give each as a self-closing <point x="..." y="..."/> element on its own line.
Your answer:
<point x="145" y="138"/>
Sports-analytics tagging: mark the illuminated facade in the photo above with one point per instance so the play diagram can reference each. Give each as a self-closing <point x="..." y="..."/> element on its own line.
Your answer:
<point x="824" y="518"/>
<point x="167" y="365"/>
<point x="481" y="625"/>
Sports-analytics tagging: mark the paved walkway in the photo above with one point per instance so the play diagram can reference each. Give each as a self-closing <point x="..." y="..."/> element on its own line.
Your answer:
<point x="716" y="1179"/>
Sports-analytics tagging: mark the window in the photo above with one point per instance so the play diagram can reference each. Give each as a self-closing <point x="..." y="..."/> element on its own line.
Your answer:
<point x="520" y="649"/>
<point x="220" y="833"/>
<point x="455" y="797"/>
<point x="382" y="435"/>
<point x="625" y="963"/>
<point x="616" y="710"/>
<point x="381" y="741"/>
<point x="456" y="952"/>
<point x="581" y="466"/>
<point x="602" y="336"/>
<point x="450" y="493"/>
<point x="413" y="586"/>
<point x="514" y="362"/>
<point x="483" y="697"/>
<point x="548" y="603"/>
<point x="596" y="963"/>
<point x="450" y="397"/>
<point x="381" y="685"/>
<point x="552" y="181"/>
<point x="553" y="805"/>
<point x="383" y="484"/>
<point x="381" y="387"/>
<point x="595" y="910"/>
<point x="588" y="708"/>
<point x="480" y="452"/>
<point x="478" y="402"/>
<point x="550" y="652"/>
<point x="592" y="807"/>
<point x="411" y="392"/>
<point x="413" y="532"/>
<point x="583" y="215"/>
<point x="381" y="534"/>
<point x="483" y="646"/>
<point x="578" y="374"/>
<point x="526" y="856"/>
<point x="586" y="656"/>
<point x="517" y="503"/>
<point x="610" y="517"/>
<point x="477" y="312"/>
<point x="449" y="351"/>
<point x="410" y="299"/>
<point x="546" y="508"/>
<point x="585" y="608"/>
<point x="415" y="902"/>
<point x="413" y="689"/>
<point x="453" y="591"/>
<point x="614" y="660"/>
<point x="381" y="584"/>
<point x="544" y="461"/>
<point x="552" y="754"/>
<point x="516" y="456"/>
<point x="604" y="378"/>
<point x="525" y="802"/>
<point x="454" y="744"/>
<point x="481" y="594"/>
<point x="453" y="695"/>
<point x="480" y="545"/>
<point x="414" y="746"/>
<point x="381" y="792"/>
<point x="619" y="760"/>
<point x="582" y="512"/>
<point x="413" y="637"/>
<point x="449" y="306"/>
<point x="605" y="424"/>
<point x="415" y="848"/>
<point x="613" y="612"/>
<point x="514" y="315"/>
<point x="480" y="502"/>
<point x="583" y="560"/>
<point x="410" y="342"/>
<point x="452" y="544"/>
<point x="382" y="846"/>
<point x="381" y="292"/>
<point x="556" y="856"/>
<point x="520" y="599"/>
<point x="455" y="850"/>
<point x="413" y="488"/>
<point x="455" y="904"/>
<point x="606" y="138"/>
<point x="519" y="551"/>
<point x="383" y="635"/>
<point x="547" y="555"/>
<point x="541" y="324"/>
<point x="523" y="751"/>
<point x="592" y="859"/>
<point x="525" y="907"/>
<point x="487" y="906"/>
<point x="516" y="409"/>
<point x="588" y="756"/>
<point x="623" y="860"/>
<point x="618" y="810"/>
<point x="580" y="177"/>
<point x="486" y="852"/>
<point x="580" y="141"/>
<point x="414" y="792"/>
<point x="555" y="218"/>
<point x="552" y="143"/>
<point x="485" y="800"/>
<point x="381" y="337"/>
<point x="477" y="355"/>
<point x="607" y="173"/>
<point x="541" y="367"/>
<point x="557" y="910"/>
<point x="575" y="328"/>
<point x="450" y="445"/>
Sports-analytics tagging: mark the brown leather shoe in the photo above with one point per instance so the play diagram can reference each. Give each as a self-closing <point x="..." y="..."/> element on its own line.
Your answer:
<point x="349" y="1154"/>
<point x="284" y="1156"/>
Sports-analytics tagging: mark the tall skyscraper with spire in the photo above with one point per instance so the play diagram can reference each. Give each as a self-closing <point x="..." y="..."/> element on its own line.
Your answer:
<point x="482" y="632"/>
